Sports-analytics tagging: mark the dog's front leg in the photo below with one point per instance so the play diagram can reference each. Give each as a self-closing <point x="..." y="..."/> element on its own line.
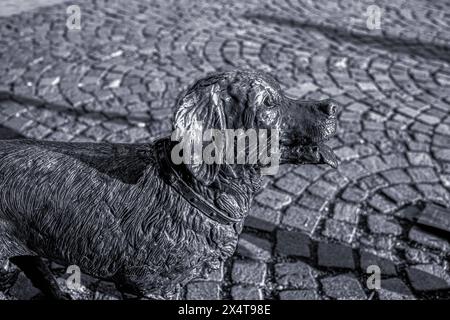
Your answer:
<point x="40" y="276"/>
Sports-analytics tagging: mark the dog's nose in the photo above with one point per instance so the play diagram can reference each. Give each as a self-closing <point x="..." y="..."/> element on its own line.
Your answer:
<point x="329" y="107"/>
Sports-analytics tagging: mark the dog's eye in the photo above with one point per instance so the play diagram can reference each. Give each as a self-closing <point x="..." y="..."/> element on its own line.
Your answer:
<point x="267" y="101"/>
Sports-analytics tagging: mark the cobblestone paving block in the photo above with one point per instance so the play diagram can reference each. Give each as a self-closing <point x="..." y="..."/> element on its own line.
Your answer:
<point x="18" y="123"/>
<point x="340" y="231"/>
<point x="346" y="153"/>
<point x="439" y="141"/>
<point x="374" y="164"/>
<point x="313" y="202"/>
<point x="335" y="255"/>
<point x="442" y="154"/>
<point x="401" y="194"/>
<point x="322" y="189"/>
<point x="246" y="293"/>
<point x="310" y="172"/>
<point x="249" y="272"/>
<point x="421" y="256"/>
<point x="427" y="239"/>
<point x="396" y="176"/>
<point x="380" y="224"/>
<point x="443" y="128"/>
<point x="358" y="107"/>
<point x="299" y="295"/>
<point x="262" y="218"/>
<point x="396" y="160"/>
<point x="428" y="277"/>
<point x="254" y="247"/>
<point x="295" y="275"/>
<point x="346" y="212"/>
<point x="292" y="183"/>
<point x="336" y="178"/>
<point x="434" y="192"/>
<point x="428" y="119"/>
<point x="386" y="266"/>
<point x="420" y="159"/>
<point x="10" y="108"/>
<point x="410" y="213"/>
<point x="423" y="175"/>
<point x="353" y="170"/>
<point x="203" y="291"/>
<point x="273" y="199"/>
<point x="39" y="132"/>
<point x="435" y="216"/>
<point x="445" y="179"/>
<point x="394" y="289"/>
<point x="343" y="287"/>
<point x="293" y="243"/>
<point x="301" y="218"/>
<point x="354" y="194"/>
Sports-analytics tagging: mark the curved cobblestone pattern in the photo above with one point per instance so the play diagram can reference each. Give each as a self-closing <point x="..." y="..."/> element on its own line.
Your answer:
<point x="313" y="231"/>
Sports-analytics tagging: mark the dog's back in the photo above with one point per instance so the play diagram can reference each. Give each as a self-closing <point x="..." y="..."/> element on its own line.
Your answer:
<point x="56" y="198"/>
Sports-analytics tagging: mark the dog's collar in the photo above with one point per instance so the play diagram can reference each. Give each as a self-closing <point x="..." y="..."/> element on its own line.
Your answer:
<point x="174" y="179"/>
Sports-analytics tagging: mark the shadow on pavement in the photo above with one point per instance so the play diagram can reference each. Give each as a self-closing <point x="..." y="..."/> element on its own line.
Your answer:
<point x="426" y="50"/>
<point x="7" y="133"/>
<point x="70" y="111"/>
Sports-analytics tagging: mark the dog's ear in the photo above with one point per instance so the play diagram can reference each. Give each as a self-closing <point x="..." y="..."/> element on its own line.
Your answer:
<point x="202" y="104"/>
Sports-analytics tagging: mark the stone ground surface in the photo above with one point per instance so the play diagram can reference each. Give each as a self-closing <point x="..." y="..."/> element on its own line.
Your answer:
<point x="313" y="231"/>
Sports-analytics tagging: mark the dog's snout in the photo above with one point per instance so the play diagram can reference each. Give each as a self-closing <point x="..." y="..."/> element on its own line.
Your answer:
<point x="329" y="107"/>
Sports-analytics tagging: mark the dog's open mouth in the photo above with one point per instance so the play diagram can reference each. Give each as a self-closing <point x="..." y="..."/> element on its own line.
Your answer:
<point x="316" y="153"/>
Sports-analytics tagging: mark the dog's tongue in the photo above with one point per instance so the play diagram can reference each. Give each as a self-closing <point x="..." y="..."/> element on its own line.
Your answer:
<point x="327" y="156"/>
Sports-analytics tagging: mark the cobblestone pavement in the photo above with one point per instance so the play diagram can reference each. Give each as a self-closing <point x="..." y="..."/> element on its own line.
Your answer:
<point x="11" y="7"/>
<point x="313" y="231"/>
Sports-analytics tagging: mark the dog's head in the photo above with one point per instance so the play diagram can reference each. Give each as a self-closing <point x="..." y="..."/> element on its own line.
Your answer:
<point x="254" y="100"/>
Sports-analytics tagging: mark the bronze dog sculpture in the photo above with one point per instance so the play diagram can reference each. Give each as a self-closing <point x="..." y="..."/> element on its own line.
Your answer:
<point x="126" y="213"/>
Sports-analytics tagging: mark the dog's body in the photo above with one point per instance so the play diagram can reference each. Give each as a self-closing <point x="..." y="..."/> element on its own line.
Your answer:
<point x="114" y="210"/>
<point x="76" y="204"/>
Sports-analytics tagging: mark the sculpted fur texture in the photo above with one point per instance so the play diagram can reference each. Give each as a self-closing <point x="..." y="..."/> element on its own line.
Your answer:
<point x="126" y="213"/>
